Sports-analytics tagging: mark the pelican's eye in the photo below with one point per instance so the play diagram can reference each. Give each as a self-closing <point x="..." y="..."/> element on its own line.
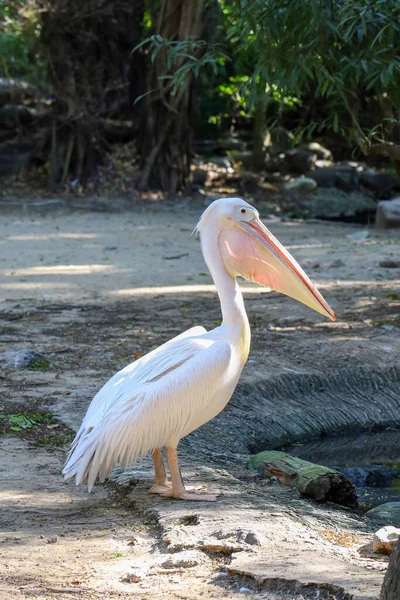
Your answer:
<point x="243" y="210"/>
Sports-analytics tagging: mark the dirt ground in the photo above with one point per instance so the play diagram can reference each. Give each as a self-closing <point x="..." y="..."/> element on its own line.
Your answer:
<point x="93" y="291"/>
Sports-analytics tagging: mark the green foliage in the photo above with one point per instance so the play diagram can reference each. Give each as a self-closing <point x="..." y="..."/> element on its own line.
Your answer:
<point x="183" y="58"/>
<point x="21" y="421"/>
<point x="340" y="52"/>
<point x="19" y="34"/>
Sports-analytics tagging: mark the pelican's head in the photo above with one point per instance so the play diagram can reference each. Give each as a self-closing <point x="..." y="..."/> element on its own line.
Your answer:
<point x="249" y="249"/>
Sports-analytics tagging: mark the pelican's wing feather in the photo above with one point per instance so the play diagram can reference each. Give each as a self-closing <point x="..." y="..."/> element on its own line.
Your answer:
<point x="148" y="405"/>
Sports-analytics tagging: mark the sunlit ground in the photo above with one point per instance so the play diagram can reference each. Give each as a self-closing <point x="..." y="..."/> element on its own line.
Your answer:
<point x="119" y="256"/>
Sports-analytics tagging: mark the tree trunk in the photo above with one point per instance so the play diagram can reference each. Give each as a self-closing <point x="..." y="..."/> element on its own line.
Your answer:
<point x="165" y="138"/>
<point x="88" y="47"/>
<point x="391" y="584"/>
<point x="259" y="131"/>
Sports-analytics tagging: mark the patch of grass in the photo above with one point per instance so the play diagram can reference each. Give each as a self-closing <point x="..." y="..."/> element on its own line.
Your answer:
<point x="40" y="428"/>
<point x="55" y="440"/>
<point x="22" y="421"/>
<point x="39" y="365"/>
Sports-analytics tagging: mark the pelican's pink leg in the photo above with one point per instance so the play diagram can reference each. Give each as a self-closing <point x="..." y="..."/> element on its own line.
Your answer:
<point x="161" y="483"/>
<point x="178" y="489"/>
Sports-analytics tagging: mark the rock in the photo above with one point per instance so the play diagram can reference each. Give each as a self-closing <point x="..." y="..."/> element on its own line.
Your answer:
<point x="301" y="185"/>
<point x="199" y="176"/>
<point x="131" y="578"/>
<point x="388" y="214"/>
<point x="12" y="115"/>
<point x="13" y="157"/>
<point x="388" y="513"/>
<point x="370" y="475"/>
<point x="52" y="540"/>
<point x="329" y="203"/>
<point x="249" y="182"/>
<point x="15" y="91"/>
<point x="221" y="161"/>
<point x="316" y="148"/>
<point x="381" y="184"/>
<point x="390" y="264"/>
<point x="385" y="539"/>
<point x="19" y="359"/>
<point x="342" y="177"/>
<point x="381" y="476"/>
<point x="251" y="537"/>
<point x="278" y="140"/>
<point x="186" y="559"/>
<point x="300" y="161"/>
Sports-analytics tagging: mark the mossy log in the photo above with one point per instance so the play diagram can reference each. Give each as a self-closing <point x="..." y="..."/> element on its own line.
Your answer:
<point x="313" y="481"/>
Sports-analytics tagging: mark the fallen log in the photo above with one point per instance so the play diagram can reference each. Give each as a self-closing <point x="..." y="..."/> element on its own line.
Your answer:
<point x="312" y="481"/>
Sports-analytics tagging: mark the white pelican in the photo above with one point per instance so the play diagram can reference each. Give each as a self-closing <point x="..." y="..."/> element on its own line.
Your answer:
<point x="162" y="397"/>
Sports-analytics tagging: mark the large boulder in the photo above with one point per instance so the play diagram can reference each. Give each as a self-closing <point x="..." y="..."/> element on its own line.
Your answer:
<point x="328" y="203"/>
<point x="386" y="514"/>
<point x="343" y="177"/>
<point x="300" y="161"/>
<point x="320" y="151"/>
<point x="388" y="214"/>
<point x="382" y="184"/>
<point x="300" y="185"/>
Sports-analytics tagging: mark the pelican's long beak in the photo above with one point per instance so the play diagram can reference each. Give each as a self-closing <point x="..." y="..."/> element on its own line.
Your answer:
<point x="251" y="251"/>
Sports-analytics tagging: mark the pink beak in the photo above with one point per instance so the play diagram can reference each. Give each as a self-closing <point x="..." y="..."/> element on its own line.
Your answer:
<point x="251" y="251"/>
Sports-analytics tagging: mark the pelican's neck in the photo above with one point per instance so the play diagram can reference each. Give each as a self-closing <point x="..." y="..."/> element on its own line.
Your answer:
<point x="234" y="317"/>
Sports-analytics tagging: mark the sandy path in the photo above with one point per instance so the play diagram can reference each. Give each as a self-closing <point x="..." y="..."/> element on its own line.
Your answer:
<point x="91" y="290"/>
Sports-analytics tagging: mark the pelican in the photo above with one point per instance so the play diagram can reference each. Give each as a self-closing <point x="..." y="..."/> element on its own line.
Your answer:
<point x="157" y="400"/>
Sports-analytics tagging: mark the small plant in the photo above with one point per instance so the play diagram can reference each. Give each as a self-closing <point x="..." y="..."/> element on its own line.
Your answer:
<point x="39" y="365"/>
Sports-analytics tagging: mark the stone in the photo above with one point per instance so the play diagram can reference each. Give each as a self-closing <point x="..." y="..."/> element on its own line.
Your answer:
<point x="385" y="539"/>
<point x="390" y="264"/>
<point x="381" y="476"/>
<point x="52" y="540"/>
<point x="131" y="578"/>
<point x="221" y="161"/>
<point x="278" y="140"/>
<point x="387" y="514"/>
<point x="300" y="161"/>
<point x="382" y="184"/>
<point x="199" y="176"/>
<point x="388" y="214"/>
<point x="320" y="151"/>
<point x="187" y="559"/>
<point x="19" y="359"/>
<point x="251" y="537"/>
<point x="329" y="203"/>
<point x="11" y="115"/>
<point x="343" y="177"/>
<point x="301" y="185"/>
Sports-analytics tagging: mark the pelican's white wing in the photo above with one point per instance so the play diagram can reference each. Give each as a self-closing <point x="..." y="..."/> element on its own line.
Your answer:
<point x="148" y="404"/>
